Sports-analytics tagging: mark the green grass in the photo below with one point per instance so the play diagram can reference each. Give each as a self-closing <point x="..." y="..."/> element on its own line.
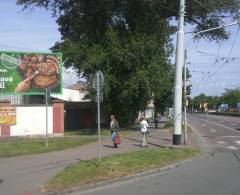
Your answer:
<point x="237" y="114"/>
<point x="169" y="127"/>
<point x="169" y="124"/>
<point x="86" y="172"/>
<point x="23" y="146"/>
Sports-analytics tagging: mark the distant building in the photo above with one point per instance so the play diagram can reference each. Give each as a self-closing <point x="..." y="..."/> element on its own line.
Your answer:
<point x="223" y="108"/>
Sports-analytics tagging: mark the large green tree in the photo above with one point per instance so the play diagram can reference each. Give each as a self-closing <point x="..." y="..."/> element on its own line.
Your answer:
<point x="231" y="97"/>
<point x="130" y="41"/>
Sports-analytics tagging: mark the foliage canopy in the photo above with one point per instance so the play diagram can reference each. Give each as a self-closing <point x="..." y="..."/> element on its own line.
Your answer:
<point x="130" y="41"/>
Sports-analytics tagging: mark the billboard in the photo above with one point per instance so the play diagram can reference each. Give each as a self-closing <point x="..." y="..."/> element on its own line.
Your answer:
<point x="30" y="73"/>
<point x="7" y="115"/>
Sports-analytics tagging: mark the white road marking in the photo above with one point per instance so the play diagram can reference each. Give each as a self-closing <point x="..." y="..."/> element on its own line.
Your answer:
<point x="237" y="142"/>
<point x="232" y="148"/>
<point x="222" y="126"/>
<point x="221" y="121"/>
<point x="234" y="124"/>
<point x="222" y="142"/>
<point x="203" y="125"/>
<point x="212" y="130"/>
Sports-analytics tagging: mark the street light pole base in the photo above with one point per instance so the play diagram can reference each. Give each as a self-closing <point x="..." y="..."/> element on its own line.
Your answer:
<point x="176" y="139"/>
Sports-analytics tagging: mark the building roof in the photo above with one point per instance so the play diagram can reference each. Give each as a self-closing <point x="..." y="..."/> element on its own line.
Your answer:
<point x="80" y="86"/>
<point x="70" y="95"/>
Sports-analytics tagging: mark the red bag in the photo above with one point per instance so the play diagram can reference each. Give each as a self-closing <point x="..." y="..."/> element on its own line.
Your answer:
<point x="117" y="139"/>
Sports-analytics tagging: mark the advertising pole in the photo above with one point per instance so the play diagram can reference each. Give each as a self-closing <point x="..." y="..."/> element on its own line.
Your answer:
<point x="179" y="61"/>
<point x="46" y="138"/>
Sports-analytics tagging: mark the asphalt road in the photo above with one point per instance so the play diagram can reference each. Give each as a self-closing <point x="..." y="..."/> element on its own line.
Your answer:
<point x="216" y="173"/>
<point x="220" y="131"/>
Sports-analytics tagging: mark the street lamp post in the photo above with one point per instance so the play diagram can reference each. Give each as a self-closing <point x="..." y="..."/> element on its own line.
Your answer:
<point x="179" y="61"/>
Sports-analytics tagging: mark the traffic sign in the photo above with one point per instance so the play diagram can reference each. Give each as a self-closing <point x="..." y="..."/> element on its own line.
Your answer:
<point x="99" y="75"/>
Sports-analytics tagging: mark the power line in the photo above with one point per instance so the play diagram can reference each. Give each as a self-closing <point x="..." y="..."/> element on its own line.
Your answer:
<point x="208" y="72"/>
<point x="212" y="65"/>
<point x="230" y="52"/>
<point x="227" y="61"/>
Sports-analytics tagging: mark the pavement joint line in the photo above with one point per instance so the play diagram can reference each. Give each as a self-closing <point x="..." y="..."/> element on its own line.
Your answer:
<point x="98" y="186"/>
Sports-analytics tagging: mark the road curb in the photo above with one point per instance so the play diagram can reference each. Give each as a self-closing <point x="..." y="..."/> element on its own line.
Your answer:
<point x="202" y="143"/>
<point x="83" y="189"/>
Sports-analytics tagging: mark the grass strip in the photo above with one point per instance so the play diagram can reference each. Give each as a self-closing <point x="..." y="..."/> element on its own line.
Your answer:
<point x="23" y="146"/>
<point x="237" y="114"/>
<point x="119" y="165"/>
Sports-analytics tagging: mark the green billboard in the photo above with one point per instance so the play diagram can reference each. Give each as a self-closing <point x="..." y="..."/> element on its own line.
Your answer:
<point x="30" y="73"/>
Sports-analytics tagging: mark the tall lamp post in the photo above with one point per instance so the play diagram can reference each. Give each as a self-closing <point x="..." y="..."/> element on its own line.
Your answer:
<point x="179" y="61"/>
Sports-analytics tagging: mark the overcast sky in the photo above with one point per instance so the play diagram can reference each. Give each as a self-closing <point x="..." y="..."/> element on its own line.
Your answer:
<point x="36" y="30"/>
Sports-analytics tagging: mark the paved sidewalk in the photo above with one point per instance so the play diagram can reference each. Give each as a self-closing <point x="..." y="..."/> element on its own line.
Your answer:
<point x="24" y="175"/>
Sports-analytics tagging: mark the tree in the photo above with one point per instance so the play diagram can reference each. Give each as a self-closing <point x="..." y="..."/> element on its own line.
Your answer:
<point x="214" y="102"/>
<point x="130" y="41"/>
<point x="198" y="100"/>
<point x="231" y="97"/>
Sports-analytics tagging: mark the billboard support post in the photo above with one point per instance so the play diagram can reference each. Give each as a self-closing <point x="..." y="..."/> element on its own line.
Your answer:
<point x="46" y="138"/>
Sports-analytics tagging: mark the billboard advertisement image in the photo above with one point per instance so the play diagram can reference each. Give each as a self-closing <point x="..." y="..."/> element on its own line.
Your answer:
<point x="30" y="73"/>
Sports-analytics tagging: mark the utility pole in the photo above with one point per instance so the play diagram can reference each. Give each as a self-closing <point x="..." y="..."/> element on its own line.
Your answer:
<point x="179" y="61"/>
<point x="185" y="98"/>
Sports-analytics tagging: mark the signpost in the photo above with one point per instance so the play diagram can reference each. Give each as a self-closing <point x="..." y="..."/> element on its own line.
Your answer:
<point x="98" y="82"/>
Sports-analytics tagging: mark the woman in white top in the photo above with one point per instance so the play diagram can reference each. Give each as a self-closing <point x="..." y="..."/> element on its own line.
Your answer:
<point x="144" y="130"/>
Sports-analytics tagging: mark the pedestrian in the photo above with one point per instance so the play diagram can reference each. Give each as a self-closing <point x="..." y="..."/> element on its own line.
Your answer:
<point x="156" y="121"/>
<point x="144" y="130"/>
<point x="114" y="127"/>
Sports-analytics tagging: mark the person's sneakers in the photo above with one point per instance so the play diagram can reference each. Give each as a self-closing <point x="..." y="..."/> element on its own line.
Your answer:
<point x="115" y="146"/>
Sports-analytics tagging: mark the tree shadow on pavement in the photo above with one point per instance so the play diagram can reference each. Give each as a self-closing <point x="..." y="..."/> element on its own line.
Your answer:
<point x="163" y="139"/>
<point x="149" y="143"/>
<point x="108" y="146"/>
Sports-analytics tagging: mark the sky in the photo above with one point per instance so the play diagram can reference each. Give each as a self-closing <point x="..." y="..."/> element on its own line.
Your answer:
<point x="214" y="67"/>
<point x="36" y="30"/>
<point x="29" y="30"/>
